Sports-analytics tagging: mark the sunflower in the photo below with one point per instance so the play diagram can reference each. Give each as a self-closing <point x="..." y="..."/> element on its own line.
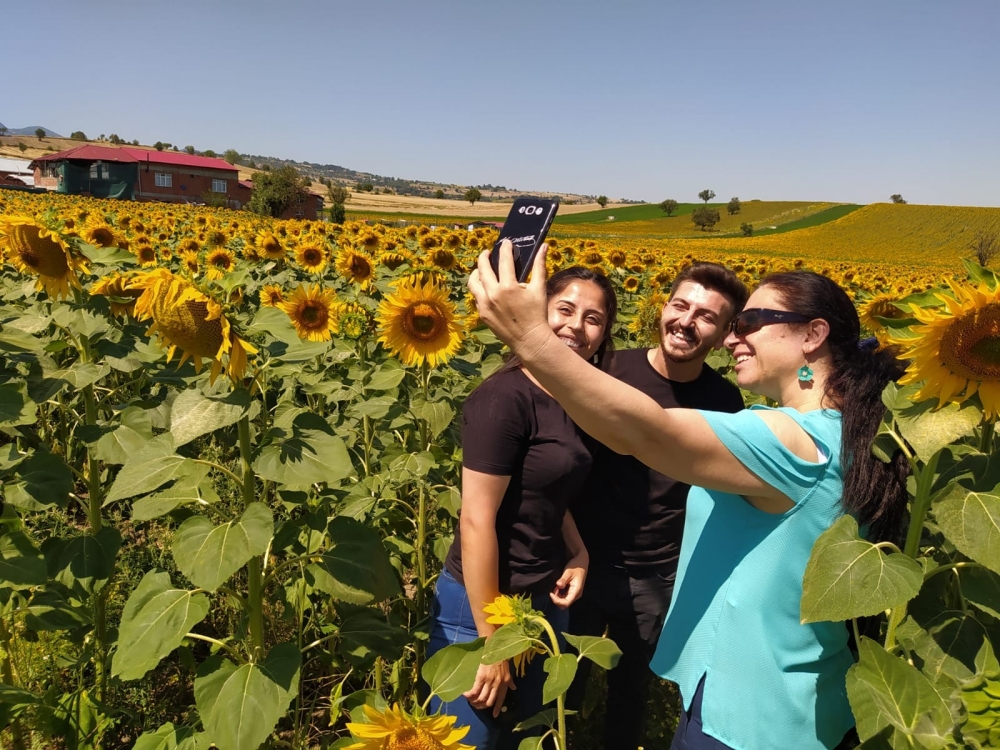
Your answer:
<point x="631" y="284"/>
<point x="191" y="263"/>
<point x="313" y="312"/>
<point x="184" y="318"/>
<point x="617" y="258"/>
<point x="418" y="323"/>
<point x="269" y="246"/>
<point x="394" y="729"/>
<point x="312" y="258"/>
<point x="879" y="306"/>
<point x="393" y="259"/>
<point x="507" y="609"/>
<point x="33" y="248"/>
<point x="368" y="241"/>
<point x="356" y="266"/>
<point x="646" y="323"/>
<point x="957" y="349"/>
<point x="146" y="255"/>
<point x="216" y="238"/>
<point x="115" y="287"/>
<point x="443" y="258"/>
<point x="220" y="262"/>
<point x="100" y="235"/>
<point x="271" y="295"/>
<point x="189" y="246"/>
<point x="353" y="321"/>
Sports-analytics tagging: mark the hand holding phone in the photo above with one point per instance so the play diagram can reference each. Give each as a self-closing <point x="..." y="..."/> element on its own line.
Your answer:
<point x="526" y="226"/>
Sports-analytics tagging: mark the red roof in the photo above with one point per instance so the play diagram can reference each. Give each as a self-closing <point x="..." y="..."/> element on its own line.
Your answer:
<point x="90" y="152"/>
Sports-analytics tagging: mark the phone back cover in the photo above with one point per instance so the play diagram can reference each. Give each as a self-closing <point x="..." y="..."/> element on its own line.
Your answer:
<point x="523" y="227"/>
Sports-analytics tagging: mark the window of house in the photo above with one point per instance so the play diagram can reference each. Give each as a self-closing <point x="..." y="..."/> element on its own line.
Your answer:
<point x="218" y="186"/>
<point x="95" y="171"/>
<point x="164" y="179"/>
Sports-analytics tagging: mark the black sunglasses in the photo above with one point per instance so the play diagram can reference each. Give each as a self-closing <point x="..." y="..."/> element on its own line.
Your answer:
<point x="755" y="318"/>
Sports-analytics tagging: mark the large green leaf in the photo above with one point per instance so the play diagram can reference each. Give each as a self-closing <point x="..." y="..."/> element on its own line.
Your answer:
<point x="946" y="645"/>
<point x="981" y="588"/>
<point x="21" y="563"/>
<point x="602" y="651"/>
<point x="241" y="706"/>
<point x="152" y="467"/>
<point x="971" y="521"/>
<point x="560" y="670"/>
<point x="84" y="563"/>
<point x="41" y="481"/>
<point x="386" y="377"/>
<point x="885" y="691"/>
<point x="849" y="577"/>
<point x="154" y="622"/>
<point x="356" y="568"/>
<point x="437" y="414"/>
<point x="130" y="437"/>
<point x="506" y="643"/>
<point x="186" y="491"/>
<point x="307" y="453"/>
<point x="929" y="429"/>
<point x="51" y="609"/>
<point x="366" y="633"/>
<point x="193" y="414"/>
<point x="208" y="555"/>
<point x="452" y="670"/>
<point x="167" y="737"/>
<point x="16" y="407"/>
<point x="375" y="407"/>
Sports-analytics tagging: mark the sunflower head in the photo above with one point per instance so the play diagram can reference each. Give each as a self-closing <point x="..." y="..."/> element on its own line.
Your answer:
<point x="184" y="318"/>
<point x="219" y="262"/>
<point x="395" y="729"/>
<point x="189" y="259"/>
<point x="956" y="351"/>
<point x="418" y="323"/>
<point x="33" y="248"/>
<point x="312" y="311"/>
<point x="269" y="246"/>
<point x="356" y="266"/>
<point x="100" y="235"/>
<point x="115" y="287"/>
<point x="311" y="258"/>
<point x="353" y="321"/>
<point x="271" y="295"/>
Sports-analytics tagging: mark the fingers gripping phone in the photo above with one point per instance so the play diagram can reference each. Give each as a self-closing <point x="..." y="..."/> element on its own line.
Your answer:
<point x="526" y="226"/>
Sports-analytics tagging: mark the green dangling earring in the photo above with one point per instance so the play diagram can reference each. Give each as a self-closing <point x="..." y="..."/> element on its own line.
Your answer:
<point x="805" y="374"/>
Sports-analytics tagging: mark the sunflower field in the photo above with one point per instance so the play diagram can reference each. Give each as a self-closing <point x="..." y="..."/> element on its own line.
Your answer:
<point x="230" y="471"/>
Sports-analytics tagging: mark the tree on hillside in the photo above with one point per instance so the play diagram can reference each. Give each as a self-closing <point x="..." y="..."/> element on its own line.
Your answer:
<point x="276" y="191"/>
<point x="472" y="195"/>
<point x="669" y="206"/>
<point x="705" y="217"/>
<point x="602" y="200"/>
<point x="40" y="132"/>
<point x="897" y="198"/>
<point x="747" y="229"/>
<point x="252" y="164"/>
<point x="115" y="139"/>
<point x="3" y="130"/>
<point x="338" y="194"/>
<point x="78" y="135"/>
<point x="439" y="193"/>
<point x="706" y="195"/>
<point x="135" y="141"/>
<point x="233" y="156"/>
<point x="189" y="150"/>
<point x="209" y="153"/>
<point x="734" y="206"/>
<point x="985" y="247"/>
<point x="158" y="145"/>
<point x="20" y="145"/>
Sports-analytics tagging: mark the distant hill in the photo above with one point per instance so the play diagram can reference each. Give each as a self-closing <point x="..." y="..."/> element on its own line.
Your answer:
<point x="30" y="130"/>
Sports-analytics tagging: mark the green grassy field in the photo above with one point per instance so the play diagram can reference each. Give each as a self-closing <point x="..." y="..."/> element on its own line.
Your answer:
<point x="830" y="214"/>
<point x="642" y="212"/>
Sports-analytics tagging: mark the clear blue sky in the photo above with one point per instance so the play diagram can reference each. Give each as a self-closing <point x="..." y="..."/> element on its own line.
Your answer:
<point x="778" y="99"/>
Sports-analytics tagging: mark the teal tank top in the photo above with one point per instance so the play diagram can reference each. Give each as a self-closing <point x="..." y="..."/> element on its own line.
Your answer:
<point x="771" y="683"/>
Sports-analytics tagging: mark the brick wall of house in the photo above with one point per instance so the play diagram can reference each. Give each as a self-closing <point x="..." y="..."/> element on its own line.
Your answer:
<point x="46" y="178"/>
<point x="187" y="184"/>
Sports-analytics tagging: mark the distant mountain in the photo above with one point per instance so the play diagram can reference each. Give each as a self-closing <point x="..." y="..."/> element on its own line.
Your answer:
<point x="30" y="130"/>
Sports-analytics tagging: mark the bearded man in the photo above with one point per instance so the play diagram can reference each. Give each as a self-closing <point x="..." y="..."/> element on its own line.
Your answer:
<point x="631" y="517"/>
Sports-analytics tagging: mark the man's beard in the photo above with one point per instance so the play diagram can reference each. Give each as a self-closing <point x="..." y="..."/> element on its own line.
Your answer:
<point x="699" y="349"/>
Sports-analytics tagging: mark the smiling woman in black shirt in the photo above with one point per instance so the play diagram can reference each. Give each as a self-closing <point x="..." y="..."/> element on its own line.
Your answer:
<point x="524" y="460"/>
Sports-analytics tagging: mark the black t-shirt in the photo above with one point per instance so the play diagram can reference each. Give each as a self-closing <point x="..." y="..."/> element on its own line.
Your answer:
<point x="511" y="427"/>
<point x="629" y="514"/>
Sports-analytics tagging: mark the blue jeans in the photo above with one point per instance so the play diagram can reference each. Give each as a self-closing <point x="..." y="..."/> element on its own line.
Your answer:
<point x="690" y="735"/>
<point x="453" y="623"/>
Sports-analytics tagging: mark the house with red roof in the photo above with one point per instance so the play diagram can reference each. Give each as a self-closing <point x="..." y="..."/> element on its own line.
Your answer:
<point x="140" y="174"/>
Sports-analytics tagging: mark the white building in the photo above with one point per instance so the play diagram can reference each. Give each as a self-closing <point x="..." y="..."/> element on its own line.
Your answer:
<point x="18" y="169"/>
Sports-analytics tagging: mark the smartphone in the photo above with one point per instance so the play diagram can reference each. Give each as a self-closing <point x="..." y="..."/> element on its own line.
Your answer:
<point x="526" y="226"/>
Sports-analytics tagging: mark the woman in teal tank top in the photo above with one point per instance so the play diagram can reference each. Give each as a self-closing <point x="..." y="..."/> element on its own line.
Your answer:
<point x="765" y="484"/>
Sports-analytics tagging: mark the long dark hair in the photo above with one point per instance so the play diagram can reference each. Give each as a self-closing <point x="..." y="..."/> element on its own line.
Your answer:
<point x="874" y="492"/>
<point x="559" y="281"/>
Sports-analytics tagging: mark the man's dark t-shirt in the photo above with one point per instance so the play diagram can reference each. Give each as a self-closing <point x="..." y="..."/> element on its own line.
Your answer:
<point x="629" y="514"/>
<point x="511" y="427"/>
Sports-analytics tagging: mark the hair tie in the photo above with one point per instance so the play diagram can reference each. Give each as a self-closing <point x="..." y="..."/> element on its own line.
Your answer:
<point x="868" y="344"/>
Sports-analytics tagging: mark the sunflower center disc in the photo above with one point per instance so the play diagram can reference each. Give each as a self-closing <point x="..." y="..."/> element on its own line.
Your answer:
<point x="423" y="321"/>
<point x="314" y="316"/>
<point x="40" y="254"/>
<point x="970" y="346"/>
<point x="360" y="267"/>
<point x="412" y="738"/>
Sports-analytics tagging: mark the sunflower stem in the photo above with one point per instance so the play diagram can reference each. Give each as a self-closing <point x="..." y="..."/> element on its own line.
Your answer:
<point x="921" y="504"/>
<point x="255" y="588"/>
<point x="421" y="595"/>
<point x="561" y="698"/>
<point x="986" y="439"/>
<point x="7" y="672"/>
